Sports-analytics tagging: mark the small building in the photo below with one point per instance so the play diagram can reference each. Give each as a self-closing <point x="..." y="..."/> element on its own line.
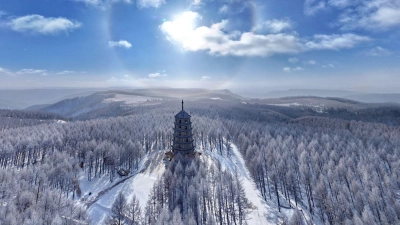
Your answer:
<point x="182" y="141"/>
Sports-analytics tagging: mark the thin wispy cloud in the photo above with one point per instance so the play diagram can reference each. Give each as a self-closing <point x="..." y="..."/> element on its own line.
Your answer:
<point x="120" y="43"/>
<point x="335" y="41"/>
<point x="374" y="15"/>
<point x="197" y="2"/>
<point x="65" y="72"/>
<point x="38" y="24"/>
<point x="223" y="9"/>
<point x="329" y="65"/>
<point x="155" y="75"/>
<point x="103" y="3"/>
<point x="5" y="71"/>
<point x="313" y="6"/>
<point x="30" y="71"/>
<point x="371" y="15"/>
<point x="294" y="69"/>
<point x="33" y="71"/>
<point x="310" y="62"/>
<point x="377" y="51"/>
<point x="150" y="3"/>
<point x="2" y="13"/>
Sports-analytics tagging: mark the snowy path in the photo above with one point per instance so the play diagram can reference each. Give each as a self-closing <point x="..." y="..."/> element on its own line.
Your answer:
<point x="264" y="212"/>
<point x="104" y="192"/>
<point x="259" y="215"/>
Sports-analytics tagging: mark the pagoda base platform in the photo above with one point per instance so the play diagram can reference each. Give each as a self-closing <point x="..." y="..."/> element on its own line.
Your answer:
<point x="170" y="155"/>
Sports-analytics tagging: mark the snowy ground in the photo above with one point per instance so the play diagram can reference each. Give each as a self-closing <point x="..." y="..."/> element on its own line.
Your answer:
<point x="139" y="184"/>
<point x="264" y="212"/>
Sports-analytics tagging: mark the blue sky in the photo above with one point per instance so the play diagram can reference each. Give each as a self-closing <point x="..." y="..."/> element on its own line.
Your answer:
<point x="236" y="44"/>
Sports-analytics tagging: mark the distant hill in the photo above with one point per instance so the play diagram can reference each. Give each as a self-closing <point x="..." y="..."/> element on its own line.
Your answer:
<point x="356" y="96"/>
<point x="113" y="103"/>
<point x="309" y="92"/>
<point x="21" y="99"/>
<point x="376" y="98"/>
<point x="118" y="102"/>
<point x="186" y="93"/>
<point x="313" y="102"/>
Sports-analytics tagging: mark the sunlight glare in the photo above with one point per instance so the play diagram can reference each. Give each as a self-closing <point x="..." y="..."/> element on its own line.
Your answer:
<point x="182" y="26"/>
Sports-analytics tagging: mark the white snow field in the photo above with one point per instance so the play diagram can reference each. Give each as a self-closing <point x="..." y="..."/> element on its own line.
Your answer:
<point x="139" y="183"/>
<point x="264" y="212"/>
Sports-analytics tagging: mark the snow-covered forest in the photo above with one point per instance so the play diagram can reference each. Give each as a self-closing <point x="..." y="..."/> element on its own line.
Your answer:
<point x="312" y="168"/>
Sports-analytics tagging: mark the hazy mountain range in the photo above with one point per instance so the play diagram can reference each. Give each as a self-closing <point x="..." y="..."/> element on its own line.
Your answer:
<point x="34" y="99"/>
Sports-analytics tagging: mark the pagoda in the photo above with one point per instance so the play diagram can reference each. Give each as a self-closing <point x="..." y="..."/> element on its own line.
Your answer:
<point x="182" y="141"/>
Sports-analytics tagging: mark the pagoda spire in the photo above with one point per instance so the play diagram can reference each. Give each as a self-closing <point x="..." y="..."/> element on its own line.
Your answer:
<point x="182" y="104"/>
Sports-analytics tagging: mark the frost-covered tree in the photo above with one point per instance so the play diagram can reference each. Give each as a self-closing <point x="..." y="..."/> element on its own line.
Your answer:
<point x="118" y="210"/>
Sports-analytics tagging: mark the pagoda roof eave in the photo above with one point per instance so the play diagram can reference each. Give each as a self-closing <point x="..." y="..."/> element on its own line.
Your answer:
<point x="182" y="114"/>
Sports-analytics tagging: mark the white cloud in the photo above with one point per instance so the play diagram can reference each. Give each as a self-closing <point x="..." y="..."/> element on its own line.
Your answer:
<point x="298" y="69"/>
<point x="196" y="2"/>
<point x="342" y="3"/>
<point x="289" y="70"/>
<point x="293" y="60"/>
<point x="275" y="26"/>
<point x="374" y="15"/>
<point x="310" y="62"/>
<point x="329" y="65"/>
<point x="224" y="9"/>
<point x="120" y="43"/>
<point x="103" y="3"/>
<point x="150" y="3"/>
<point x="216" y="41"/>
<point x="154" y="75"/>
<point x="32" y="71"/>
<point x="42" y="25"/>
<point x="65" y="72"/>
<point x="335" y="41"/>
<point x="5" y="71"/>
<point x="205" y="77"/>
<point x="377" y="51"/>
<point x="126" y="75"/>
<point x="2" y="13"/>
<point x="371" y="17"/>
<point x="313" y="6"/>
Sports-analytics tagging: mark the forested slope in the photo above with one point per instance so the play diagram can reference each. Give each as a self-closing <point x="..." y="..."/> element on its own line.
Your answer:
<point x="338" y="171"/>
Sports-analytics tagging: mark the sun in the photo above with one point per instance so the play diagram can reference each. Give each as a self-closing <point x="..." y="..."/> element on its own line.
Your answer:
<point x="182" y="26"/>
